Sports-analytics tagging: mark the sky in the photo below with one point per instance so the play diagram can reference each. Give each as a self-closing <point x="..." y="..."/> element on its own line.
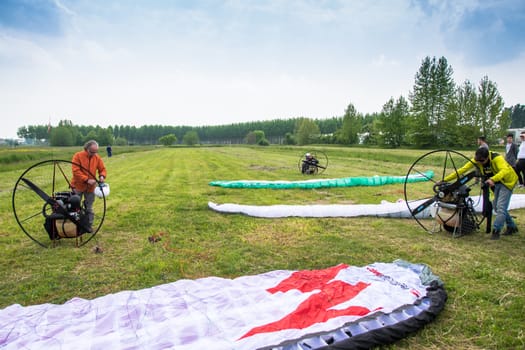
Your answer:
<point x="210" y="62"/>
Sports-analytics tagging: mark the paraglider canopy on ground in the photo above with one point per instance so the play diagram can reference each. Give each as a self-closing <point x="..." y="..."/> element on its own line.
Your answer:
<point x="342" y="306"/>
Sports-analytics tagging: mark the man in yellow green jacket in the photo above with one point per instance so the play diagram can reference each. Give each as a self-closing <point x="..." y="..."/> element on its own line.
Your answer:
<point x="501" y="178"/>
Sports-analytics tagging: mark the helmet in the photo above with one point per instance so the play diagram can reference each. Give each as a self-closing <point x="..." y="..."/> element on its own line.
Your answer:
<point x="308" y="155"/>
<point x="102" y="190"/>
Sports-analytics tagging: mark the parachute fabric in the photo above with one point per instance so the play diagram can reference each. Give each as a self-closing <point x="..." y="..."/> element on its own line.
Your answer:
<point x="397" y="209"/>
<point x="341" y="306"/>
<point x="322" y="183"/>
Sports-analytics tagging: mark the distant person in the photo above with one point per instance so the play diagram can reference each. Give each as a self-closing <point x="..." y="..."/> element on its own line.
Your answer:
<point x="501" y="178"/>
<point x="86" y="164"/>
<point x="511" y="151"/>
<point x="520" y="164"/>
<point x="109" y="151"/>
<point x="309" y="165"/>
<point x="482" y="142"/>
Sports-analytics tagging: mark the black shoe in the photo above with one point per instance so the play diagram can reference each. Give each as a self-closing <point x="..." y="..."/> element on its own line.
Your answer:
<point x="495" y="235"/>
<point x="510" y="230"/>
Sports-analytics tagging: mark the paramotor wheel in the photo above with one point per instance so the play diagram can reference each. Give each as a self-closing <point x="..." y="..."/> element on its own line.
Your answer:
<point x="43" y="203"/>
<point x="435" y="204"/>
<point x="313" y="162"/>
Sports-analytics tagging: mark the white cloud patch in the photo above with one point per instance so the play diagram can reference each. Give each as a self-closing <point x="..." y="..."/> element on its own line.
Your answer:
<point x="19" y="52"/>
<point x="202" y="62"/>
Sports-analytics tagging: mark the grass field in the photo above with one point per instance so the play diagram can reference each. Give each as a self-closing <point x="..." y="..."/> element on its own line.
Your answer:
<point x="164" y="192"/>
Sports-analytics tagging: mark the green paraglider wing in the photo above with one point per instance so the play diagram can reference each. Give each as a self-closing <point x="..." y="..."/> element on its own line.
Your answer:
<point x="323" y="183"/>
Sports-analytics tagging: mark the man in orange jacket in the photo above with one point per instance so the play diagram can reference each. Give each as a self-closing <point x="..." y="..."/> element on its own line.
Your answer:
<point x="86" y="164"/>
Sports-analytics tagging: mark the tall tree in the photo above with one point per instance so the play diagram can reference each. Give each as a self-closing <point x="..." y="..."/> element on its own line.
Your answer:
<point x="462" y="121"/>
<point x="168" y="140"/>
<point x="251" y="138"/>
<point x="33" y="132"/>
<point x="369" y="130"/>
<point x="62" y="136"/>
<point x="104" y="136"/>
<point x="517" y="116"/>
<point x="191" y="138"/>
<point x="352" y="123"/>
<point x="307" y="131"/>
<point x="494" y="119"/>
<point x="392" y="122"/>
<point x="433" y="92"/>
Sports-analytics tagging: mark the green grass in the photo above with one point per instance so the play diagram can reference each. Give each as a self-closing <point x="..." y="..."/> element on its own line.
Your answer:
<point x="164" y="192"/>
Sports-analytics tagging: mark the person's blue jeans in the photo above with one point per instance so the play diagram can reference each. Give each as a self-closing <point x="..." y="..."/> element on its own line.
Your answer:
<point x="501" y="205"/>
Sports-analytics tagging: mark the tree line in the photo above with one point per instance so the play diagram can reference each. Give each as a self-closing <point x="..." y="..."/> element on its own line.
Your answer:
<point x="437" y="112"/>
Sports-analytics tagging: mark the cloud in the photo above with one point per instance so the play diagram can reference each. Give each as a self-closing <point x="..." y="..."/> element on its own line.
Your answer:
<point x="207" y="62"/>
<point x="486" y="32"/>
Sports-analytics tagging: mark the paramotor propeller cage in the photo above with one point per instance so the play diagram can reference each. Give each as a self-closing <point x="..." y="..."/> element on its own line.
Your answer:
<point x="446" y="205"/>
<point x="48" y="211"/>
<point x="313" y="162"/>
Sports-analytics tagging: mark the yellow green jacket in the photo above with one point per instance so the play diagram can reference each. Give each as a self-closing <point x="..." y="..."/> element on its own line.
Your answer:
<point x="502" y="171"/>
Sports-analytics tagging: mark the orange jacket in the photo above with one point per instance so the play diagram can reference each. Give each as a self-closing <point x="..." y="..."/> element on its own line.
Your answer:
<point x="85" y="167"/>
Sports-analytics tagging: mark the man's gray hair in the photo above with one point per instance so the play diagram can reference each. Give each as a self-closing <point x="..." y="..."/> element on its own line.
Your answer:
<point x="90" y="143"/>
